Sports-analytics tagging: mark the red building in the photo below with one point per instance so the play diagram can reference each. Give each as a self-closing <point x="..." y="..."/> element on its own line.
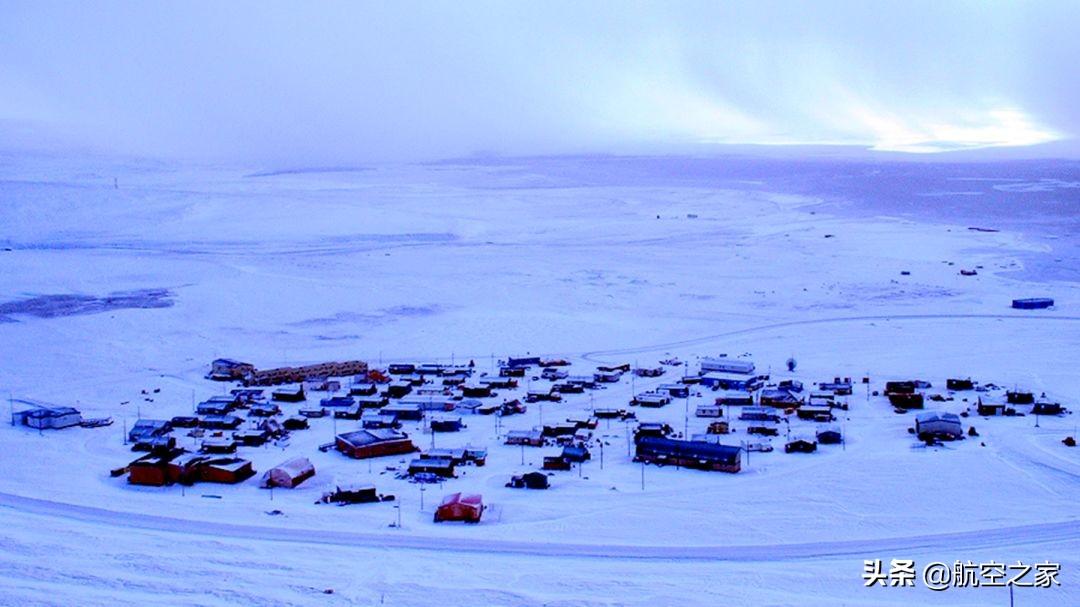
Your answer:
<point x="363" y="444"/>
<point x="458" y="507"/>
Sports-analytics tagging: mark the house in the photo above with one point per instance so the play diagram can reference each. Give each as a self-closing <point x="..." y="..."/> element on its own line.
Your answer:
<point x="688" y="454"/>
<point x="537" y="396"/>
<point x="321" y="384"/>
<point x="1033" y="303"/>
<point x="401" y="369"/>
<point x="824" y="399"/>
<point x="289" y="394"/>
<point x="227" y="369"/>
<point x="758" y="414"/>
<point x="959" y="385"/>
<point x="652" y="429"/>
<point x="556" y="462"/>
<point x="362" y="444"/>
<point x="375" y="420"/>
<point x="554" y="374"/>
<point x="149" y="428"/>
<point x="589" y="423"/>
<point x="289" y="474"/>
<point x="933" y="425"/>
<point x="735" y="398"/>
<point x="312" y="412"/>
<point x="478" y="391"/>
<point x="791" y="385"/>
<point x="228" y="470"/>
<point x="585" y="381"/>
<point x="529" y="480"/>
<point x="762" y="430"/>
<point x="621" y="368"/>
<point x="726" y="365"/>
<point x="781" y="399"/>
<point x="352" y="494"/>
<point x="353" y="412"/>
<point x="214" y="407"/>
<point x="1019" y="397"/>
<point x="460" y="507"/>
<point x="155" y="469"/>
<point x="337" y="401"/>
<point x="651" y="399"/>
<point x="247" y="395"/>
<point x="184" y="421"/>
<point x="838" y="386"/>
<point x="154" y="443"/>
<point x="220" y="422"/>
<point x="511" y="407"/>
<point x="906" y="400"/>
<point x="522" y="361"/>
<point x="675" y="390"/>
<point x="512" y="371"/>
<point x="403" y="411"/>
<point x="296" y="422"/>
<point x="398" y="388"/>
<point x="706" y="410"/>
<point x="718" y="380"/>
<point x="576" y="454"/>
<point x="1047" y="409"/>
<point x="568" y="388"/>
<point x="370" y="402"/>
<point x="428" y="403"/>
<point x="612" y="414"/>
<point x="829" y="437"/>
<point x="219" y="444"/>
<point x="439" y="466"/>
<point x="251" y="438"/>
<point x="900" y="387"/>
<point x="264" y="410"/>
<point x="500" y="383"/>
<point x="649" y="371"/>
<point x="363" y="389"/>
<point x="446" y="424"/>
<point x="477" y="456"/>
<point x="800" y="445"/>
<point x="718" y="428"/>
<point x="816" y="413"/>
<point x="564" y="429"/>
<point x="476" y="407"/>
<point x="987" y="409"/>
<point x="607" y="377"/>
<point x="532" y="438"/>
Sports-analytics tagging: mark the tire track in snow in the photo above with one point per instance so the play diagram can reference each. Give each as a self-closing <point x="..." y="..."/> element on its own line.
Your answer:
<point x="1068" y="530"/>
<point x="600" y="355"/>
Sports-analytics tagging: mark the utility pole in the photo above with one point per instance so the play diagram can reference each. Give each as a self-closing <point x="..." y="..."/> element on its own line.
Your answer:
<point x="642" y="475"/>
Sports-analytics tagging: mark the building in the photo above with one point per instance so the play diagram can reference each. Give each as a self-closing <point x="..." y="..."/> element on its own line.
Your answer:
<point x="48" y="418"/>
<point x="735" y="398"/>
<point x="149" y="428"/>
<point x="779" y="398"/>
<point x="529" y="480"/>
<point x="829" y="437"/>
<point x="838" y="386"/>
<point x="478" y="391"/>
<point x="156" y="469"/>
<point x="933" y="425"/>
<point x="800" y="445"/>
<point x="607" y="377"/>
<point x="352" y="494"/>
<point x="338" y="401"/>
<point x="675" y="390"/>
<point x="228" y="470"/>
<point x="289" y="474"/>
<point x="1033" y="303"/>
<point x="403" y="411"/>
<point x="439" y="466"/>
<point x="576" y="454"/>
<point x="759" y="414"/>
<point x="227" y="369"/>
<point x="362" y="444"/>
<point x="1019" y="397"/>
<point x="264" y="410"/>
<point x="987" y="409"/>
<point x="718" y="380"/>
<point x="532" y="438"/>
<point x="959" y="385"/>
<point x="816" y="413"/>
<point x="726" y="365"/>
<point x="1046" y="409"/>
<point x="220" y="444"/>
<point x="289" y="394"/>
<point x="651" y="399"/>
<point x="460" y="507"/>
<point x="705" y="410"/>
<point x="688" y="454"/>
<point x="446" y="424"/>
<point x="220" y="422"/>
<point x="501" y="383"/>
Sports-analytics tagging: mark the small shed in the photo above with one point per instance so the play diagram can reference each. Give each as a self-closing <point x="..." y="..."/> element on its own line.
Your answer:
<point x="829" y="437"/>
<point x="446" y="424"/>
<point x="576" y="454"/>
<point x="460" y="507"/>
<point x="800" y="445"/>
<point x="1046" y="409"/>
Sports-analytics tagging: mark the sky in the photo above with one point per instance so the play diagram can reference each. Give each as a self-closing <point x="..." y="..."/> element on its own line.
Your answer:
<point x="341" y="82"/>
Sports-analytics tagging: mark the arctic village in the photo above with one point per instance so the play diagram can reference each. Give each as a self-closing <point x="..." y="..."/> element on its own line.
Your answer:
<point x="538" y="421"/>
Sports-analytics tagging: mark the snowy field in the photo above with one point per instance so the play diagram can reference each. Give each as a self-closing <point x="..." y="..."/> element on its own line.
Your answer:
<point x="123" y="278"/>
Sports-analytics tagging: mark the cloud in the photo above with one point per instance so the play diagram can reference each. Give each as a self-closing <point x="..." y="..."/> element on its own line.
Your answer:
<point x="302" y="84"/>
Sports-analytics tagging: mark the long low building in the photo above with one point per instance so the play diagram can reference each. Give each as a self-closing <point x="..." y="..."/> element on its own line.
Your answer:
<point x="362" y="444"/>
<point x="688" y="454"/>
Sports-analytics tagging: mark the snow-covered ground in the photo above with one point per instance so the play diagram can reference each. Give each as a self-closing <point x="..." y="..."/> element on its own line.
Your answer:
<point x="596" y="261"/>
